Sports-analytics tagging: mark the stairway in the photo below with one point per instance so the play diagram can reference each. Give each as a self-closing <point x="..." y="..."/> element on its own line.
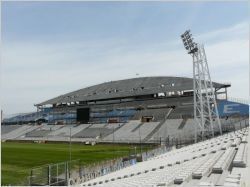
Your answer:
<point x="137" y="127"/>
<point x="183" y="123"/>
<point x="116" y="129"/>
<point x="157" y="127"/>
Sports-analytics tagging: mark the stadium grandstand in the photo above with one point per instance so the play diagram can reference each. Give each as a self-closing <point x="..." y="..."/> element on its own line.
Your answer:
<point x="220" y="161"/>
<point x="138" y="110"/>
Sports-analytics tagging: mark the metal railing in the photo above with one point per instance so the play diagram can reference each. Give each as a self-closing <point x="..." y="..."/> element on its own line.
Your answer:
<point x="57" y="174"/>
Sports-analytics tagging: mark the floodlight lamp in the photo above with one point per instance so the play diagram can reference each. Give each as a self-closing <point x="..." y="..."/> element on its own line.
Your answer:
<point x="190" y="41"/>
<point x="184" y="40"/>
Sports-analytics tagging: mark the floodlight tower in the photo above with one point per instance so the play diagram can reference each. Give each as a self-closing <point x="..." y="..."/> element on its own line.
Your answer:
<point x="205" y="107"/>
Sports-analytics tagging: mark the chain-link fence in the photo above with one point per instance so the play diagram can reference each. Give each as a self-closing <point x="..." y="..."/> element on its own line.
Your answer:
<point x="54" y="174"/>
<point x="72" y="173"/>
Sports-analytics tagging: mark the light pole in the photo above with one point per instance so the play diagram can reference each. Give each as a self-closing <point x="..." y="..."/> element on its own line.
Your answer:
<point x="70" y="150"/>
<point x="113" y="142"/>
<point x="140" y="137"/>
<point x="205" y="106"/>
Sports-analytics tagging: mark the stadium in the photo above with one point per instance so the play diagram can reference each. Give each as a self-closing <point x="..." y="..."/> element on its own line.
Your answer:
<point x="143" y="131"/>
<point x="138" y="111"/>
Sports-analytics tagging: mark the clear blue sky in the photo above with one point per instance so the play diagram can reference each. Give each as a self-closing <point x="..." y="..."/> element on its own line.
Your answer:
<point x="50" y="48"/>
<point x="139" y="21"/>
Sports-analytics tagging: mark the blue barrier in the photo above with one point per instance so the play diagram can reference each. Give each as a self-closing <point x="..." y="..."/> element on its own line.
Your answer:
<point x="48" y="115"/>
<point x="113" y="113"/>
<point x="228" y="108"/>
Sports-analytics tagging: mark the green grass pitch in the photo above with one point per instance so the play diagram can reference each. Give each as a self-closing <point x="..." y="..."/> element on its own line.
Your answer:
<point x="19" y="158"/>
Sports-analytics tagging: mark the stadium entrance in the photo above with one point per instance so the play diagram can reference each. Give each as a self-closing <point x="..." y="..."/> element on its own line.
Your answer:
<point x="147" y="118"/>
<point x="82" y="115"/>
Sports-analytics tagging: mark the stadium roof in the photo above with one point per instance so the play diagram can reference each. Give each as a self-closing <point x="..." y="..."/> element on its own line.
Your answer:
<point x="127" y="88"/>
